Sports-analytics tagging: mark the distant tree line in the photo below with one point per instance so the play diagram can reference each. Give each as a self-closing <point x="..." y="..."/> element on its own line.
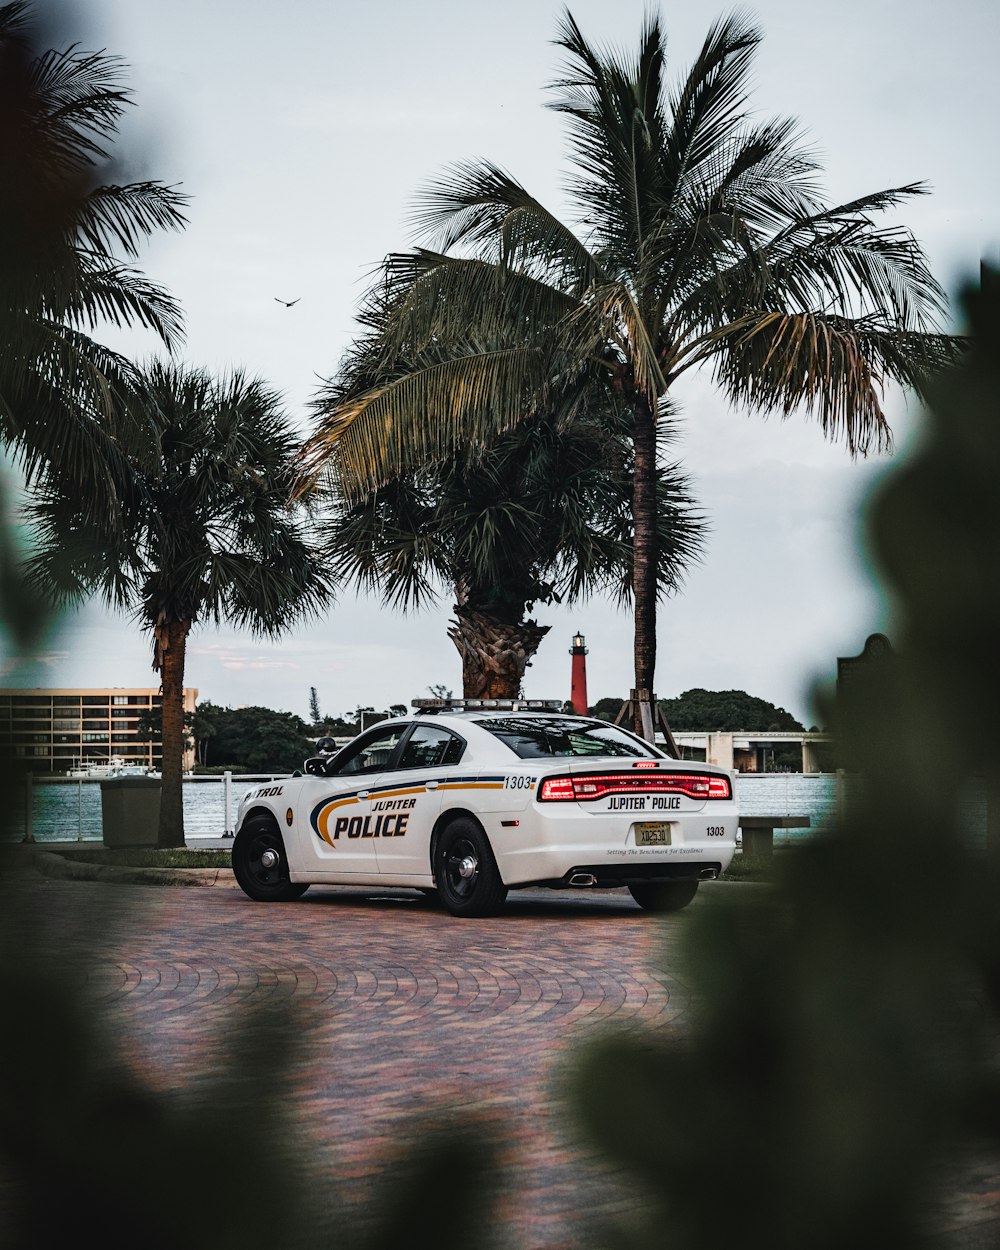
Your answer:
<point x="725" y="711"/>
<point x="261" y="740"/>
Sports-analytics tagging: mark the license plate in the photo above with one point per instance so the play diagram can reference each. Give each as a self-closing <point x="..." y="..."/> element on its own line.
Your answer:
<point x="652" y="833"/>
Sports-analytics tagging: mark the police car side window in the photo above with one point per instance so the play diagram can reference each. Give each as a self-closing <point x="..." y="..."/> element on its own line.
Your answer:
<point x="371" y="755"/>
<point x="429" y="747"/>
<point x="531" y="737"/>
<point x="454" y="751"/>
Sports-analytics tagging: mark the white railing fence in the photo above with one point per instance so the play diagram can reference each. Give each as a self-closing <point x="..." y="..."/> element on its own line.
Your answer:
<point x="68" y="809"/>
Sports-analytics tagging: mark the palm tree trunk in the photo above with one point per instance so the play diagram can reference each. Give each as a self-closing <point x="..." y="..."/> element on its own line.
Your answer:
<point x="494" y="653"/>
<point x="171" y="645"/>
<point x="644" y="549"/>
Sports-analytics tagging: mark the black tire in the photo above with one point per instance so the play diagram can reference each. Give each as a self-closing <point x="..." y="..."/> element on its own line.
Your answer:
<point x="260" y="865"/>
<point x="468" y="880"/>
<point x="663" y="896"/>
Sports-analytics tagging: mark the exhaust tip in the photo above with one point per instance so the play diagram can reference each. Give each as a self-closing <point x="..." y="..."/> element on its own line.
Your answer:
<point x="708" y="874"/>
<point x="583" y="879"/>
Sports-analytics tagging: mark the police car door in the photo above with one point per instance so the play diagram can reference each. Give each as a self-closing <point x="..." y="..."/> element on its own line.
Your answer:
<point x="341" y="820"/>
<point x="408" y="801"/>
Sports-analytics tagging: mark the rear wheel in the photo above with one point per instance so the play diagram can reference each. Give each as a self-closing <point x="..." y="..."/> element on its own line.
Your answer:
<point x="663" y="895"/>
<point x="468" y="880"/>
<point x="260" y="865"/>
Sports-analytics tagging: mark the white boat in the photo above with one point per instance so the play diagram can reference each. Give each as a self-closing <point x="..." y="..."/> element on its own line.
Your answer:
<point x="100" y="770"/>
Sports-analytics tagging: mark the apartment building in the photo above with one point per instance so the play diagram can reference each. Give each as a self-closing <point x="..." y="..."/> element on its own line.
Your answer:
<point x="53" y="731"/>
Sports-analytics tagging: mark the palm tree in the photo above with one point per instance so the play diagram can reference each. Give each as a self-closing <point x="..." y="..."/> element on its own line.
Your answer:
<point x="704" y="243"/>
<point x="540" y="515"/>
<point x="204" y="532"/>
<point x="67" y="237"/>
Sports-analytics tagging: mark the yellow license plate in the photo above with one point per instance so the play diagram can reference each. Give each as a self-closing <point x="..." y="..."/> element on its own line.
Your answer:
<point x="652" y="833"/>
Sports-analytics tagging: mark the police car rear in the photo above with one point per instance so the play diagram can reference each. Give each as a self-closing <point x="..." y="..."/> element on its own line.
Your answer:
<point x="592" y="805"/>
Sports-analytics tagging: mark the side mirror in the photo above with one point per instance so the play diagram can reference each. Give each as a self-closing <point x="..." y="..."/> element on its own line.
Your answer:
<point x="316" y="766"/>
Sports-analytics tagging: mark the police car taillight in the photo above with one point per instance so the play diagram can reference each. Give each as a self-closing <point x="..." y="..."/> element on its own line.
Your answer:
<point x="557" y="790"/>
<point x="591" y="786"/>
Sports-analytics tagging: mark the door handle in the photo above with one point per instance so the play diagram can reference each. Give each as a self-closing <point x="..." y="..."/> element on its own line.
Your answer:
<point x="363" y="794"/>
<point x="432" y="785"/>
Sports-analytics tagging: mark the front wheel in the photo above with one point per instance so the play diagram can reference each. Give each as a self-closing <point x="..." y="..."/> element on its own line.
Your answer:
<point x="663" y="896"/>
<point x="468" y="880"/>
<point x="260" y="865"/>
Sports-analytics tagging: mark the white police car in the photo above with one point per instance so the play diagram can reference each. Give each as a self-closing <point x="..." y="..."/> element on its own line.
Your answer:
<point x="472" y="798"/>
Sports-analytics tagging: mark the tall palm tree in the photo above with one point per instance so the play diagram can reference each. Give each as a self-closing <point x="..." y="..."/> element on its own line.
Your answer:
<point x="204" y="532"/>
<point x="68" y="235"/>
<point x="540" y="515"/>
<point x="703" y="242"/>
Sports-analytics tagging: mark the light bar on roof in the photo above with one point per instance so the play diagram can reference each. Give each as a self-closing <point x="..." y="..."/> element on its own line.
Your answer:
<point x="488" y="705"/>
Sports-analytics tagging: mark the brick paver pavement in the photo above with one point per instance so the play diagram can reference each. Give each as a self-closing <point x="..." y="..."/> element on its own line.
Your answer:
<point x="401" y="1012"/>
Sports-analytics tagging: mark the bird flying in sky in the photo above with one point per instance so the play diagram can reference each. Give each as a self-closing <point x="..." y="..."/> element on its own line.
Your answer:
<point x="288" y="302"/>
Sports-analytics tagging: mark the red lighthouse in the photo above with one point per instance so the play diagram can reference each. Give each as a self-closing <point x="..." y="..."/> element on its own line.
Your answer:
<point x="578" y="683"/>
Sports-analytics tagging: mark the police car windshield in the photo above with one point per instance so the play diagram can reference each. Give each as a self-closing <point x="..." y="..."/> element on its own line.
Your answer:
<point x="530" y="737"/>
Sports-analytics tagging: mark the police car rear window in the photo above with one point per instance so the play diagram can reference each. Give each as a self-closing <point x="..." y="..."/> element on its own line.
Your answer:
<point x="538" y="736"/>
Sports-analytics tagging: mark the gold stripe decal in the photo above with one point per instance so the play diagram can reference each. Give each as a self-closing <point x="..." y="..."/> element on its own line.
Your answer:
<point x="320" y="817"/>
<point x="471" y="785"/>
<point x="323" y="813"/>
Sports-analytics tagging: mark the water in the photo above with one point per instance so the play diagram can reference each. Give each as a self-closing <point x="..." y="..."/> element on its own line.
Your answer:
<point x="790" y="794"/>
<point x="815" y="795"/>
<point x="67" y="811"/>
<point x="71" y="810"/>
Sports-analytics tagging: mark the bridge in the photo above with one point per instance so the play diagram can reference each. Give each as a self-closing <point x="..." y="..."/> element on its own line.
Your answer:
<point x="747" y="751"/>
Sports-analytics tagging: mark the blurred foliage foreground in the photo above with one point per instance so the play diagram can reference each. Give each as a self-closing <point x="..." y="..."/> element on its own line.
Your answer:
<point x="843" y="1052"/>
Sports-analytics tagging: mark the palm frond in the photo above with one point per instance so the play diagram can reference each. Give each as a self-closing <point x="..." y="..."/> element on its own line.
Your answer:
<point x="467" y="204"/>
<point x="710" y="104"/>
<point x="203" y="528"/>
<point x="849" y="259"/>
<point x="826" y="260"/>
<point x="115" y="217"/>
<point x="422" y="415"/>
<point x="831" y="367"/>
<point x="266" y="599"/>
<point x="61" y="229"/>
<point x="435" y="299"/>
<point x="62" y="402"/>
<point x="83" y="95"/>
<point x="607" y="325"/>
<point x="540" y="514"/>
<point x="478" y="205"/>
<point x="122" y="296"/>
<point x="389" y="544"/>
<point x="616" y="129"/>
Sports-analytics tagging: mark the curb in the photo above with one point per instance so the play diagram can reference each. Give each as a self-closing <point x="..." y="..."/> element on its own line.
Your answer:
<point x="56" y="866"/>
<point x="50" y="864"/>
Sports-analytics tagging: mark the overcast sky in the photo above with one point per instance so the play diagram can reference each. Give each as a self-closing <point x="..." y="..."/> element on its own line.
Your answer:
<point x="302" y="133"/>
